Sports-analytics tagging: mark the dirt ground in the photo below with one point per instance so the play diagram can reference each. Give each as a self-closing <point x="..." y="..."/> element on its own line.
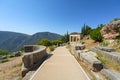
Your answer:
<point x="11" y="70"/>
<point x="90" y="43"/>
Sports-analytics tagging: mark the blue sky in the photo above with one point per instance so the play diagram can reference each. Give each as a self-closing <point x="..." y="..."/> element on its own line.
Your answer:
<point x="58" y="16"/>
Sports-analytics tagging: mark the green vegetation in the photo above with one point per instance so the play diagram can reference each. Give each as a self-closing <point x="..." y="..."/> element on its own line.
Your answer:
<point x="3" y="52"/>
<point x="45" y="42"/>
<point x="4" y="56"/>
<point x="118" y="41"/>
<point x="95" y="34"/>
<point x="51" y="48"/>
<point x="48" y="43"/>
<point x="52" y="43"/>
<point x="85" y="30"/>
<point x="115" y="19"/>
<point x="65" y="38"/>
<point x="104" y="43"/>
<point x="13" y="41"/>
<point x="108" y="63"/>
<point x="56" y="42"/>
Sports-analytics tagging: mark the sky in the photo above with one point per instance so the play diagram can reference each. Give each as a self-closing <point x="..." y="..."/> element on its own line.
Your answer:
<point x="57" y="16"/>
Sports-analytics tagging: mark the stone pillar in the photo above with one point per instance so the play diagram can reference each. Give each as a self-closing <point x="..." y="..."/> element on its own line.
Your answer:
<point x="76" y="38"/>
<point x="71" y="38"/>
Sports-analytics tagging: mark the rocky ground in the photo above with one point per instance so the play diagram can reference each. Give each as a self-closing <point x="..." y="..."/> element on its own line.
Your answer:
<point x="90" y="43"/>
<point x="11" y="70"/>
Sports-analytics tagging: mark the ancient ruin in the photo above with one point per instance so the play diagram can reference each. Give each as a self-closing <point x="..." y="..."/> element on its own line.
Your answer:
<point x="33" y="56"/>
<point x="74" y="37"/>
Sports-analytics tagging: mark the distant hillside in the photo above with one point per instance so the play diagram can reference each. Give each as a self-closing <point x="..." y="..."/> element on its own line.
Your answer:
<point x="41" y="35"/>
<point x="13" y="41"/>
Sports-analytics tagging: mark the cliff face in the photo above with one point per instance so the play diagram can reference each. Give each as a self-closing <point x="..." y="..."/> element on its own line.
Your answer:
<point x="111" y="30"/>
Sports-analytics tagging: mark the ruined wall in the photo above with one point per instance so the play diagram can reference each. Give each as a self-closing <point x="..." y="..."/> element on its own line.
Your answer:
<point x="88" y="57"/>
<point x="108" y="52"/>
<point x="112" y="55"/>
<point x="111" y="74"/>
<point x="32" y="56"/>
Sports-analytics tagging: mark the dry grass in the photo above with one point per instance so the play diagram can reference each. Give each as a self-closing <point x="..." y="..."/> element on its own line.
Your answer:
<point x="116" y="47"/>
<point x="90" y="43"/>
<point x="108" y="62"/>
<point x="11" y="69"/>
<point x="48" y="50"/>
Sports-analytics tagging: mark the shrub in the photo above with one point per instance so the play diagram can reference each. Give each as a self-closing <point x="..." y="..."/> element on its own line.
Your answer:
<point x="3" y="52"/>
<point x="85" y="30"/>
<point x="65" y="38"/>
<point x="51" y="48"/>
<point x="10" y="55"/>
<point x="105" y="43"/>
<point x="44" y="42"/>
<point x="115" y="19"/>
<point x="56" y="42"/>
<point x="96" y="35"/>
<point x="118" y="41"/>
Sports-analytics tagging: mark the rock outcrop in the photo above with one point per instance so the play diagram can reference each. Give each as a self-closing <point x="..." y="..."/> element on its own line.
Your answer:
<point x="111" y="30"/>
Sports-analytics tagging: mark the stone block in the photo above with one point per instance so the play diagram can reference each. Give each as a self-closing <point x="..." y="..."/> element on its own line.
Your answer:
<point x="90" y="58"/>
<point x="111" y="74"/>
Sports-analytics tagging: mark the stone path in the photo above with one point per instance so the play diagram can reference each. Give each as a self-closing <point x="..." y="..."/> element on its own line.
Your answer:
<point x="60" y="66"/>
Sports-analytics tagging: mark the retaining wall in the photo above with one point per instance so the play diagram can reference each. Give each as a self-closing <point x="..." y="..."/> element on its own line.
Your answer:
<point x="33" y="55"/>
<point x="111" y="74"/>
<point x="108" y="52"/>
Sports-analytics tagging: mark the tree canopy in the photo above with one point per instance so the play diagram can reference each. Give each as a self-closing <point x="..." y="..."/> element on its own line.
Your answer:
<point x="95" y="34"/>
<point x="85" y="30"/>
<point x="3" y="52"/>
<point x="44" y="42"/>
<point x="65" y="38"/>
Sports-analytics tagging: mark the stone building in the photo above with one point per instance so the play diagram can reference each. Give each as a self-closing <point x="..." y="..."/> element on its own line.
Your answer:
<point x="74" y="37"/>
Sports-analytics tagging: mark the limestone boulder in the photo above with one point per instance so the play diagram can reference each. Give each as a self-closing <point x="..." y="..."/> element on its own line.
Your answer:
<point x="111" y="30"/>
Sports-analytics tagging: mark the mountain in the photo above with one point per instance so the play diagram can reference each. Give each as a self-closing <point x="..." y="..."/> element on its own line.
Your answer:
<point x="13" y="41"/>
<point x="42" y="35"/>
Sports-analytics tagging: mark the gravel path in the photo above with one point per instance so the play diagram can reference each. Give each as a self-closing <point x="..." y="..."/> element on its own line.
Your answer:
<point x="60" y="66"/>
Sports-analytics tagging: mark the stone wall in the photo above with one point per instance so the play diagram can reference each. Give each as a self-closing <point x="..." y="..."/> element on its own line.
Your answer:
<point x="33" y="55"/>
<point x="111" y="74"/>
<point x="108" y="52"/>
<point x="88" y="57"/>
